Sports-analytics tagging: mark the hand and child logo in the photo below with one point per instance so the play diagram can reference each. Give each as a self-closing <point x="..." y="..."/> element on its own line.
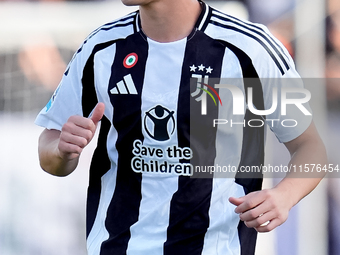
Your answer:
<point x="159" y="123"/>
<point x="160" y="158"/>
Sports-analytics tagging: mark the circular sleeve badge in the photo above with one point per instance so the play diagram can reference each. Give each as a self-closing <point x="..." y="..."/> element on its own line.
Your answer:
<point x="130" y="60"/>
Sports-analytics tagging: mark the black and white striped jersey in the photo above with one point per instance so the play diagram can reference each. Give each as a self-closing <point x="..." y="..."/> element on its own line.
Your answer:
<point x="142" y="197"/>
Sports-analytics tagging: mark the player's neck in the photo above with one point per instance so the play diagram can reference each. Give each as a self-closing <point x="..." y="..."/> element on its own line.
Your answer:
<point x="169" y="20"/>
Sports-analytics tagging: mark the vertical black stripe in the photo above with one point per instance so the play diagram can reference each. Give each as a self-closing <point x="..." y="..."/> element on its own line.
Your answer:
<point x="100" y="163"/>
<point x="252" y="146"/>
<point x="89" y="96"/>
<point x="253" y="137"/>
<point x="189" y="209"/>
<point x="124" y="207"/>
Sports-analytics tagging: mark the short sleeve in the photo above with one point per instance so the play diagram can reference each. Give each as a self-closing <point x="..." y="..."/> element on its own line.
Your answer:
<point x="292" y="115"/>
<point x="66" y="99"/>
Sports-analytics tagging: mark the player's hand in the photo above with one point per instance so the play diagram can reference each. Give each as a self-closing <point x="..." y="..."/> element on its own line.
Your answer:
<point x="77" y="132"/>
<point x="263" y="210"/>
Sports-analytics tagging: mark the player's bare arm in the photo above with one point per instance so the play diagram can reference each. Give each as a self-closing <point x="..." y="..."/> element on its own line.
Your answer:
<point x="273" y="205"/>
<point x="59" y="151"/>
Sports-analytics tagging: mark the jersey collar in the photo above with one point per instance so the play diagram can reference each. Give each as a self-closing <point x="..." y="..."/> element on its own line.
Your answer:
<point x="201" y="22"/>
<point x="204" y="17"/>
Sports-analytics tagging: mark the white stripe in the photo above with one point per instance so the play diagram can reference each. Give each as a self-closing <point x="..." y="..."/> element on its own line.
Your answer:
<point x="264" y="65"/>
<point x="149" y="233"/>
<point x="99" y="233"/>
<point x="113" y="24"/>
<point x="258" y="27"/>
<point x="130" y="84"/>
<point x="114" y="91"/>
<point x="222" y="235"/>
<point x="137" y="23"/>
<point x="203" y="95"/>
<point x="102" y="73"/>
<point x="262" y="30"/>
<point x="204" y="17"/>
<point x="199" y="84"/>
<point x="270" y="47"/>
<point x="121" y="87"/>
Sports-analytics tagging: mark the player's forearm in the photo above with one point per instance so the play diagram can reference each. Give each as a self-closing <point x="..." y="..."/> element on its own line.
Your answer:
<point x="266" y="209"/>
<point x="50" y="159"/>
<point x="298" y="184"/>
<point x="295" y="189"/>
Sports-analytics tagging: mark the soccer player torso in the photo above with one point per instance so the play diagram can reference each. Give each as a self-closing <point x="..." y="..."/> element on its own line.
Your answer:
<point x="149" y="91"/>
<point x="149" y="192"/>
<point x="157" y="138"/>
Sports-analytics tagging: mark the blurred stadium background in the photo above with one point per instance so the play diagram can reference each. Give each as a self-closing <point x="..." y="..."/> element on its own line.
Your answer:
<point x="45" y="215"/>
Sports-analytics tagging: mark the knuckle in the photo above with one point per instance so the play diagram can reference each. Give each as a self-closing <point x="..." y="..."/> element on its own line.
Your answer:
<point x="267" y="194"/>
<point x="62" y="147"/>
<point x="79" y="150"/>
<point x="72" y="118"/>
<point x="258" y="222"/>
<point x="277" y="212"/>
<point x="88" y="124"/>
<point x="75" y="149"/>
<point x="282" y="218"/>
<point x="253" y="214"/>
<point x="247" y="224"/>
<point x="269" y="228"/>
<point x="62" y="138"/>
<point x="250" y="203"/>
<point x="88" y="135"/>
<point x="83" y="142"/>
<point x="66" y="126"/>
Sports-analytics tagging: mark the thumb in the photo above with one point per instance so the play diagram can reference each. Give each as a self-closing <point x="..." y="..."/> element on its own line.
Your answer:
<point x="97" y="113"/>
<point x="236" y="201"/>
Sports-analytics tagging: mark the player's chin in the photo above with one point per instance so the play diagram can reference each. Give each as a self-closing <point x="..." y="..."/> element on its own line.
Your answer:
<point x="131" y="2"/>
<point x="136" y="2"/>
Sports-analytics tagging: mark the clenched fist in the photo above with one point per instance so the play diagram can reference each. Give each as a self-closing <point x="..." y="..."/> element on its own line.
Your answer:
<point x="77" y="132"/>
<point x="59" y="150"/>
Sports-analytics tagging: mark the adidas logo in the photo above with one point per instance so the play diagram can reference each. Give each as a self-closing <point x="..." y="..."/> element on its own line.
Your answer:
<point x="125" y="87"/>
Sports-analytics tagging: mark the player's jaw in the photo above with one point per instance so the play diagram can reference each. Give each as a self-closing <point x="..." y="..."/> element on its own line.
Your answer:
<point x="137" y="2"/>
